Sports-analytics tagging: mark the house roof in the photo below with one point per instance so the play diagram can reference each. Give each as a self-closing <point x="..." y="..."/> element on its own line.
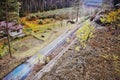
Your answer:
<point x="11" y="26"/>
<point x="16" y="27"/>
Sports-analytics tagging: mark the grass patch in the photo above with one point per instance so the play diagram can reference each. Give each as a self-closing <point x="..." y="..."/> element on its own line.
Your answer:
<point x="43" y="36"/>
<point x="42" y="32"/>
<point x="50" y="14"/>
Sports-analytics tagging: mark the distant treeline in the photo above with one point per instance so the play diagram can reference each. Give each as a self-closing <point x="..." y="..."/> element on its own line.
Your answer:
<point x="16" y="8"/>
<point x="28" y="6"/>
<point x="116" y="2"/>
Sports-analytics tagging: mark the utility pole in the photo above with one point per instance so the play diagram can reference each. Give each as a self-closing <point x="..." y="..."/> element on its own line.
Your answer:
<point x="7" y="29"/>
<point x="77" y="13"/>
<point x="77" y="6"/>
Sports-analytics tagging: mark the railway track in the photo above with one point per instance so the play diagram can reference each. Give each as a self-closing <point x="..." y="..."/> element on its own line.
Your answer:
<point x="49" y="66"/>
<point x="23" y="71"/>
<point x="54" y="56"/>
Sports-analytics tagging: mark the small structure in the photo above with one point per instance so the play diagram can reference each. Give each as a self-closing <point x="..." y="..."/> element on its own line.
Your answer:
<point x="14" y="30"/>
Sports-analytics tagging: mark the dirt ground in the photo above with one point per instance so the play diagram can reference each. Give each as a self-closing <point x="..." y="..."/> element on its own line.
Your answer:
<point x="100" y="60"/>
<point x="8" y="64"/>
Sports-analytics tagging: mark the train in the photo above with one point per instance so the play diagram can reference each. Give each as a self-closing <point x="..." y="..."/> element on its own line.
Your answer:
<point x="23" y="70"/>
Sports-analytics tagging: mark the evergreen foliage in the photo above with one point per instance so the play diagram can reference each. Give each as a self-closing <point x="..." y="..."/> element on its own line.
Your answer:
<point x="11" y="7"/>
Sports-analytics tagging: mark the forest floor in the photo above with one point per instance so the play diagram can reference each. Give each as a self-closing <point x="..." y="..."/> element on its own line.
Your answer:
<point x="100" y="60"/>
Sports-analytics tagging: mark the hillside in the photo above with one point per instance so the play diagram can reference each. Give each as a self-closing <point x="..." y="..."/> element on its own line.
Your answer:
<point x="59" y="40"/>
<point x="100" y="60"/>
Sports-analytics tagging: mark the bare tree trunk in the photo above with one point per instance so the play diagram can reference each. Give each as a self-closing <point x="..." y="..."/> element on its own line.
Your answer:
<point x="8" y="36"/>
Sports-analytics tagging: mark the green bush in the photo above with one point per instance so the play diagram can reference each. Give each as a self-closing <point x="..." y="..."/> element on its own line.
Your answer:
<point x="43" y="16"/>
<point x="23" y="23"/>
<point x="40" y="21"/>
<point x="57" y="17"/>
<point x="13" y="16"/>
<point x="38" y="15"/>
<point x="1" y="51"/>
<point x="31" y="17"/>
<point x="28" y="29"/>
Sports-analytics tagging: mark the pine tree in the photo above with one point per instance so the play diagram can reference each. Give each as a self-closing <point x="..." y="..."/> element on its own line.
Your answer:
<point x="2" y="10"/>
<point x="76" y="6"/>
<point x="12" y="9"/>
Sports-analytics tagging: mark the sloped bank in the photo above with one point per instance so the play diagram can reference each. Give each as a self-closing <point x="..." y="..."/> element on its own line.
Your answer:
<point x="99" y="59"/>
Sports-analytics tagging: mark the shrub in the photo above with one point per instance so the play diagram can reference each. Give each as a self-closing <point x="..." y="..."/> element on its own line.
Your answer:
<point x="112" y="17"/>
<point x="13" y="16"/>
<point x="38" y="15"/>
<point x="27" y="31"/>
<point x="31" y="17"/>
<point x="23" y="23"/>
<point x="1" y="51"/>
<point x="47" y="21"/>
<point x="57" y="17"/>
<point x="84" y="33"/>
<point x="42" y="16"/>
<point x="40" y="21"/>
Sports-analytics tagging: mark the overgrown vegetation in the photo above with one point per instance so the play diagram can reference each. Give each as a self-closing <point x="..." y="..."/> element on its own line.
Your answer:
<point x="12" y="8"/>
<point x="41" y="22"/>
<point x="113" y="17"/>
<point x="38" y="27"/>
<point x="99" y="60"/>
<point x="56" y="14"/>
<point x="84" y="33"/>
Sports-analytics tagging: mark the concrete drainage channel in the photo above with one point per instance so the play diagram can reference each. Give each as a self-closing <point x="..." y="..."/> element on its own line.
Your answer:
<point x="24" y="70"/>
